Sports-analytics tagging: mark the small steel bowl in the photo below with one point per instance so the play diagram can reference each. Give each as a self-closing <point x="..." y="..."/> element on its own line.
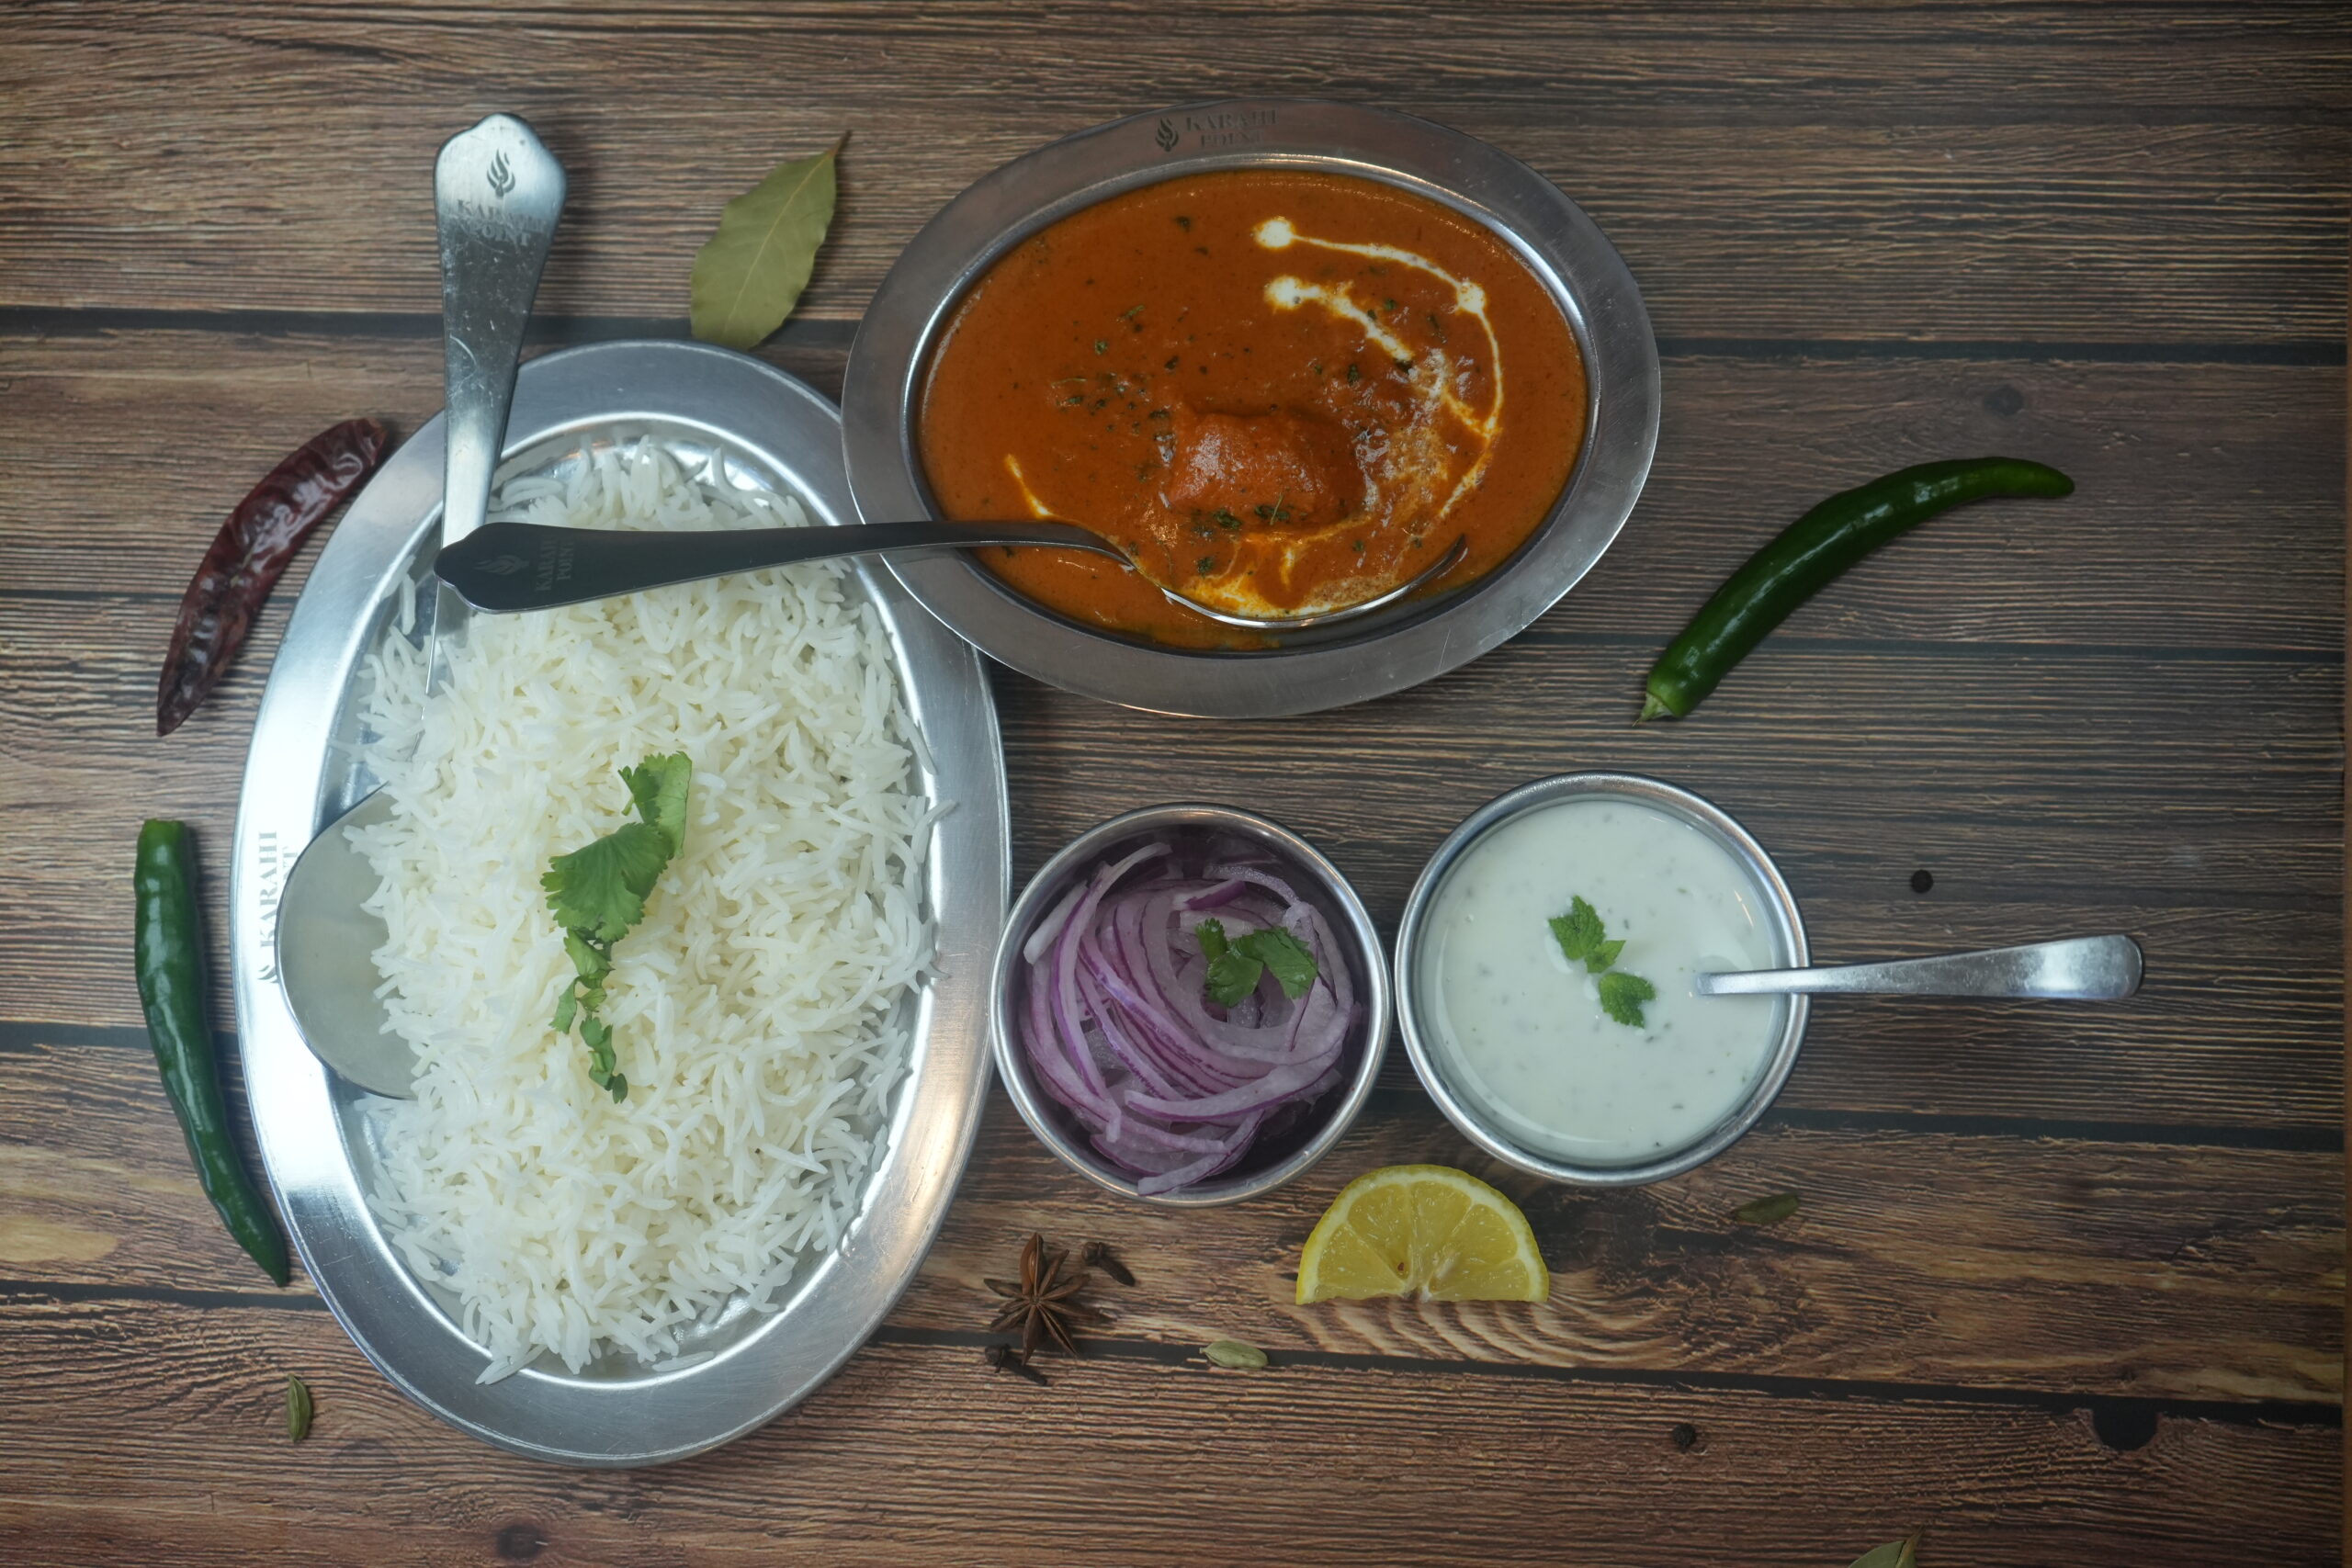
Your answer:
<point x="1368" y="657"/>
<point x="1290" y="1153"/>
<point x="1778" y="902"/>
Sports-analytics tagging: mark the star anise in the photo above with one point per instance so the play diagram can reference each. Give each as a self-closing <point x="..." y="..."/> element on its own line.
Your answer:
<point x="1044" y="1304"/>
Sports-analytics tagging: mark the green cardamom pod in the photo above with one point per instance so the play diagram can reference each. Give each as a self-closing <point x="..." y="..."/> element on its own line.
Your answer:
<point x="1233" y="1354"/>
<point x="298" y="1409"/>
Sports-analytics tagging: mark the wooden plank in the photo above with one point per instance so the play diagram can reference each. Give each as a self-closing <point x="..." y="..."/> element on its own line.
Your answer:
<point x="2194" y="805"/>
<point x="1919" y="1257"/>
<point x="2154" y="63"/>
<point x="2240" y="466"/>
<point x="2118" y="60"/>
<point x="1942" y="184"/>
<point x="148" y="1431"/>
<point x="2244" y="808"/>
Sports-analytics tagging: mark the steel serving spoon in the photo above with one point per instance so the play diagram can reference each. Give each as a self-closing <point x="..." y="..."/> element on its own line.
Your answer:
<point x="327" y="957"/>
<point x="505" y="567"/>
<point x="2083" y="969"/>
<point x="497" y="195"/>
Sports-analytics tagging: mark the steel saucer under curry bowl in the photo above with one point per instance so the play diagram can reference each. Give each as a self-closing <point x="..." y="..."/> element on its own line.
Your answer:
<point x="1368" y="658"/>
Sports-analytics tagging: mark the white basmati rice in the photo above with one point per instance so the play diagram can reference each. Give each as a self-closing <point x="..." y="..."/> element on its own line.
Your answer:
<point x="757" y="1012"/>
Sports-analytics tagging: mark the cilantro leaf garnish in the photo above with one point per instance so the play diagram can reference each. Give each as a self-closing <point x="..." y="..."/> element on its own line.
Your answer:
<point x="597" y="895"/>
<point x="601" y="890"/>
<point x="1210" y="934"/>
<point x="1283" y="953"/>
<point x="1233" y="975"/>
<point x="1622" y="996"/>
<point x="1236" y="967"/>
<point x="593" y="965"/>
<point x="1582" y="938"/>
<point x="657" y="786"/>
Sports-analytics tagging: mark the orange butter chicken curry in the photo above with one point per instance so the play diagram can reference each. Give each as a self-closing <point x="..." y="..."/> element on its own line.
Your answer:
<point x="1278" y="391"/>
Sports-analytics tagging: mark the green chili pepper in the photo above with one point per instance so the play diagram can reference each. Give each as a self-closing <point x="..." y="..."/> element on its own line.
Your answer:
<point x="170" y="949"/>
<point x="1814" y="550"/>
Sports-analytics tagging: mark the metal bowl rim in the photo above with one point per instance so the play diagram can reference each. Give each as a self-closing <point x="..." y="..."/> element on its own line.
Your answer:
<point x="1096" y="844"/>
<point x="1551" y="235"/>
<point x="1692" y="808"/>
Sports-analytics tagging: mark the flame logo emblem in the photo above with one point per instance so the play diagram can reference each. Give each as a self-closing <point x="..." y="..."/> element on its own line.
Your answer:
<point x="504" y="565"/>
<point x="501" y="178"/>
<point x="1166" y="137"/>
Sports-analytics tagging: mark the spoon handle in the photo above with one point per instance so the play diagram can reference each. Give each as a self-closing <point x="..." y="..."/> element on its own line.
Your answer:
<point x="497" y="194"/>
<point x="503" y="567"/>
<point x="2085" y="969"/>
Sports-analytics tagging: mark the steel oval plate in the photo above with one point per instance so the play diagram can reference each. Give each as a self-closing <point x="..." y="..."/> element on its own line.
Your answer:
<point x="314" y="1130"/>
<point x="1369" y="657"/>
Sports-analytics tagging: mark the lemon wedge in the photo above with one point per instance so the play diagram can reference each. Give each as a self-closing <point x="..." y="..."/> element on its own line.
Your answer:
<point x="1423" y="1229"/>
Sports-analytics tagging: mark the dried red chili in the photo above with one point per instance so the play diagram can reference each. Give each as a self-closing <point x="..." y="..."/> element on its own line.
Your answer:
<point x="251" y="549"/>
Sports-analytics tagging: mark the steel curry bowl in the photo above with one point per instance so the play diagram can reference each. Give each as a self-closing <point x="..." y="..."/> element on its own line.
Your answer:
<point x="902" y="332"/>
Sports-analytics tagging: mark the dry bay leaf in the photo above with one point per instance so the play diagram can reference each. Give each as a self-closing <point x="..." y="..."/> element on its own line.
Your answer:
<point x="748" y="274"/>
<point x="1904" y="1553"/>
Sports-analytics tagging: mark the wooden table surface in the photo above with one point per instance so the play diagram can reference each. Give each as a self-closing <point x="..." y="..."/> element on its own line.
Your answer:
<point x="2068" y="1285"/>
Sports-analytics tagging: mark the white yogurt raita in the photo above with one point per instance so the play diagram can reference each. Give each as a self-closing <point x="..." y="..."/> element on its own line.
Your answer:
<point x="1518" y="1028"/>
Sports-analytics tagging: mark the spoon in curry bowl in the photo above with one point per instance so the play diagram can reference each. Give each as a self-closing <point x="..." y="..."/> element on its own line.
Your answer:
<point x="504" y="567"/>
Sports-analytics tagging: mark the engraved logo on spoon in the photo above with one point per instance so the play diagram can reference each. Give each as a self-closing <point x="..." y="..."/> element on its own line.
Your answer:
<point x="501" y="178"/>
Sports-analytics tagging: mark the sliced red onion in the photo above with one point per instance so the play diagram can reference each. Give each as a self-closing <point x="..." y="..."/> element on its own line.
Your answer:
<point x="1070" y="1022"/>
<point x="1191" y="1003"/>
<point x="1175" y="1047"/>
<point x="1172" y="1034"/>
<point x="1133" y="1057"/>
<point x="1216" y="895"/>
<point x="1033" y="950"/>
<point x="1278" y="1086"/>
<point x="1061" y="1079"/>
<point x="1199" y="1171"/>
<point x="1118" y="1029"/>
<point x="1263" y="878"/>
<point x="1069" y="1019"/>
<point x="1148" y="1136"/>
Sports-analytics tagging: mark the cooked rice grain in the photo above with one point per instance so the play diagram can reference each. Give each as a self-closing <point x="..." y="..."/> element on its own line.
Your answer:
<point x="758" y="1012"/>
